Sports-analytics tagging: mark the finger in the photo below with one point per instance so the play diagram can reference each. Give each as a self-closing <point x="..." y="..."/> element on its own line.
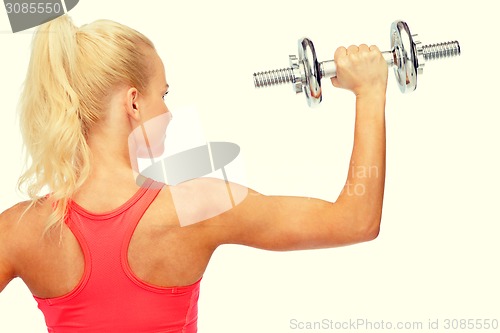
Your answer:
<point x="364" y="48"/>
<point x="340" y="52"/>
<point x="335" y="82"/>
<point x="374" y="49"/>
<point x="352" y="49"/>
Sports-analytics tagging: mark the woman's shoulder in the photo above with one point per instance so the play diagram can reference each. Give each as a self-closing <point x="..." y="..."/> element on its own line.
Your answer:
<point x="22" y="216"/>
<point x="13" y="214"/>
<point x="21" y="228"/>
<point x="9" y="222"/>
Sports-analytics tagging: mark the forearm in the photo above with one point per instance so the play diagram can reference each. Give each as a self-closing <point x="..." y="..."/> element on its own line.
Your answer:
<point x="364" y="189"/>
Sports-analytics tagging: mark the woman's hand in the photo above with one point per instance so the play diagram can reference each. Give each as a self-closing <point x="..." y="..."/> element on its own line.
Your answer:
<point x="362" y="70"/>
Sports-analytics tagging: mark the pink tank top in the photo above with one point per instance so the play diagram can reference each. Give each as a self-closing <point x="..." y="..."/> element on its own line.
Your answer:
<point x="109" y="297"/>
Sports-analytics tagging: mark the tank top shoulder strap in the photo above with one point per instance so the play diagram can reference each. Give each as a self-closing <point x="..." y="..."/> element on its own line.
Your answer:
<point x="148" y="193"/>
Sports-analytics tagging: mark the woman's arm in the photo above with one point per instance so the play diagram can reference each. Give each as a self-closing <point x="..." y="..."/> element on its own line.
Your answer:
<point x="292" y="223"/>
<point x="6" y="269"/>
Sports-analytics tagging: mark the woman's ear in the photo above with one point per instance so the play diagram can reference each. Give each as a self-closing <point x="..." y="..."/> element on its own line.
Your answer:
<point x="132" y="104"/>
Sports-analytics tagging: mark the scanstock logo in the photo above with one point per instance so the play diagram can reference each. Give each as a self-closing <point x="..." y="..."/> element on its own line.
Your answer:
<point x="26" y="14"/>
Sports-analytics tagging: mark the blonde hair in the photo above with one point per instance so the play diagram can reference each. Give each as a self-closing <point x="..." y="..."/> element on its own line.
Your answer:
<point x="71" y="72"/>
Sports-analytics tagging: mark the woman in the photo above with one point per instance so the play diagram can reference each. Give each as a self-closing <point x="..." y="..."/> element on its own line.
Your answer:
<point x="106" y="251"/>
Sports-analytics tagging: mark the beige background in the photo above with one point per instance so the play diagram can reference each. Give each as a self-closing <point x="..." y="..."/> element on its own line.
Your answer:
<point x="437" y="254"/>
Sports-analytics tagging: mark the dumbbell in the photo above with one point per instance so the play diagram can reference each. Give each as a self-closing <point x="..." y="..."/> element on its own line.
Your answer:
<point x="407" y="56"/>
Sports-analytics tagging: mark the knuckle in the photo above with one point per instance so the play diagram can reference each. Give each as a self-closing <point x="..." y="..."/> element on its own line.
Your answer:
<point x="341" y="51"/>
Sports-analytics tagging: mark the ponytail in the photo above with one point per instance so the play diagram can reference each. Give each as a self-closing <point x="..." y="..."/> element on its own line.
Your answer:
<point x="71" y="72"/>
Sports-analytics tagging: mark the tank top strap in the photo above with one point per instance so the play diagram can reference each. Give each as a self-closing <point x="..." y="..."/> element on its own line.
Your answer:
<point x="148" y="193"/>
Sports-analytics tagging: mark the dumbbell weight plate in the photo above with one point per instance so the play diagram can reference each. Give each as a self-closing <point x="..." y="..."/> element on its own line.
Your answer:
<point x="312" y="86"/>
<point x="406" y="60"/>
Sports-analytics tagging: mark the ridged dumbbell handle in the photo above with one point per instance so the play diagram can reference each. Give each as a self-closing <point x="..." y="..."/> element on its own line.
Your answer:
<point x="441" y="50"/>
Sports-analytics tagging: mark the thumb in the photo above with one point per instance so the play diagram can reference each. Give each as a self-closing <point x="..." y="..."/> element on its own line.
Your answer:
<point x="335" y="82"/>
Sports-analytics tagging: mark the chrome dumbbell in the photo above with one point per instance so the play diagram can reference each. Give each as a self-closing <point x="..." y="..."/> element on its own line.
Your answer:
<point x="407" y="56"/>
